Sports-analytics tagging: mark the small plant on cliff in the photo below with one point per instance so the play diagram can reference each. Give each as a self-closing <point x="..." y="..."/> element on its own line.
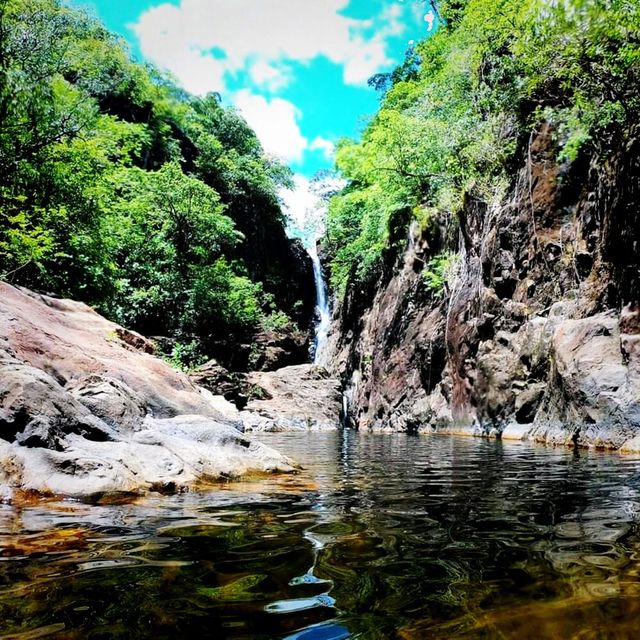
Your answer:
<point x="186" y="356"/>
<point x="439" y="271"/>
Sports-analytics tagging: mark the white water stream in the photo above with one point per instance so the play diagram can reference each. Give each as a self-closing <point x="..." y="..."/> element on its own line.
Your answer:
<point x="323" y="313"/>
<point x="306" y="208"/>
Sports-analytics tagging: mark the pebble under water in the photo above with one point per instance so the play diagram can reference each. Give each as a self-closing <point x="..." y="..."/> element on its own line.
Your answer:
<point x="382" y="536"/>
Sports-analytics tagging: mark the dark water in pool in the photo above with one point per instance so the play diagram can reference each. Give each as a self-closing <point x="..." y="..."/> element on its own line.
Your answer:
<point x="382" y="537"/>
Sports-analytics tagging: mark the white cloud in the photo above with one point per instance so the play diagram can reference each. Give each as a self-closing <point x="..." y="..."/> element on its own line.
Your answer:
<point x="268" y="75"/>
<point x="275" y="122"/>
<point x="322" y="144"/>
<point x="429" y="18"/>
<point x="299" y="204"/>
<point x="306" y="207"/>
<point x="200" y="41"/>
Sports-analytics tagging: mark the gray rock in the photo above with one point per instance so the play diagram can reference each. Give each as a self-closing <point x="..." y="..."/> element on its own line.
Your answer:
<point x="85" y="409"/>
<point x="301" y="397"/>
<point x="594" y="397"/>
<point x="109" y="399"/>
<point x="167" y="455"/>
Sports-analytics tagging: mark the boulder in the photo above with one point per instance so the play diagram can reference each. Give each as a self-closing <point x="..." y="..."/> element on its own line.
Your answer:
<point x="302" y="397"/>
<point x="233" y="386"/>
<point x="85" y="408"/>
<point x="162" y="454"/>
<point x="593" y="389"/>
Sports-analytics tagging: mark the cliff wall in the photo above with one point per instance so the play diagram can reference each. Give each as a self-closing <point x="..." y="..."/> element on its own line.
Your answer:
<point x="537" y="331"/>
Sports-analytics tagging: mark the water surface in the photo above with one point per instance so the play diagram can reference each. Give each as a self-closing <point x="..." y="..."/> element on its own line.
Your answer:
<point x="383" y="536"/>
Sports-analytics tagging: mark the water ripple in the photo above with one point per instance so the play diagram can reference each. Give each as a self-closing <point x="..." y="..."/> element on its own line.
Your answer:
<point x="383" y="537"/>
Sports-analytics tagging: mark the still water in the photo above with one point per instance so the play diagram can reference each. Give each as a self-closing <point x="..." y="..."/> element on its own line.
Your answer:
<point x="383" y="536"/>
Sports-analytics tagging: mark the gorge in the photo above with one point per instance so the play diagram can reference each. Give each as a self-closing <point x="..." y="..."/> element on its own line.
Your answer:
<point x="235" y="397"/>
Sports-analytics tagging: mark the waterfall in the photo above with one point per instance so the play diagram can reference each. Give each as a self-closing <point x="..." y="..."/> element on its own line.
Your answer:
<point x="322" y="305"/>
<point x="306" y="208"/>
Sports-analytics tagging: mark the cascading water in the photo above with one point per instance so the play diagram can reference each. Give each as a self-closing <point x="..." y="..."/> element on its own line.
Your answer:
<point x="322" y="305"/>
<point x="306" y="208"/>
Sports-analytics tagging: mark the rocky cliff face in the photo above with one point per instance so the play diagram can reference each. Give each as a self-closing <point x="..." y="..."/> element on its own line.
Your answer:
<point x="282" y="264"/>
<point x="537" y="333"/>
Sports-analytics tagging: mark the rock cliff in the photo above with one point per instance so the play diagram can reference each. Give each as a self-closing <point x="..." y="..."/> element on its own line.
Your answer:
<point x="537" y="331"/>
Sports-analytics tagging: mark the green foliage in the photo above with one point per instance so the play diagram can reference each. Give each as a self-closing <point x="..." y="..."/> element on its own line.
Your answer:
<point x="123" y="191"/>
<point x="438" y="272"/>
<point x="356" y="232"/>
<point x="186" y="356"/>
<point x="167" y="230"/>
<point x="497" y="69"/>
<point x="220" y="296"/>
<point x="276" y="321"/>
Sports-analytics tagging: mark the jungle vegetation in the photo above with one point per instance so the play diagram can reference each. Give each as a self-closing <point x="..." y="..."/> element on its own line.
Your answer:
<point x="119" y="189"/>
<point x="457" y="116"/>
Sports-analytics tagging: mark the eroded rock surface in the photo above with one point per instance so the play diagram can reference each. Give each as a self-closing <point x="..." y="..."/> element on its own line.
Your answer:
<point x="537" y="331"/>
<point x="302" y="397"/>
<point x="85" y="408"/>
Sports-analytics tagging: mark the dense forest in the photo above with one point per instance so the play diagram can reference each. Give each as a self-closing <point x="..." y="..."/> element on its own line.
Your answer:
<point x="459" y="115"/>
<point x="119" y="189"/>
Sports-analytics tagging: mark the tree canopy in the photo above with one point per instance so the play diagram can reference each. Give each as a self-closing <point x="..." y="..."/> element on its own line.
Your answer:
<point x="457" y="113"/>
<point x="121" y="190"/>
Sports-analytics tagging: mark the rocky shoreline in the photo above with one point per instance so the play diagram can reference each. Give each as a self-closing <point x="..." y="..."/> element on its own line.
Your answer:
<point x="87" y="409"/>
<point x="536" y="332"/>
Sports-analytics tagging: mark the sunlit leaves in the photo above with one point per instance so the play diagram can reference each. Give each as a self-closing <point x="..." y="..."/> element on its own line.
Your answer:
<point x="491" y="74"/>
<point x="120" y="189"/>
<point x="220" y="296"/>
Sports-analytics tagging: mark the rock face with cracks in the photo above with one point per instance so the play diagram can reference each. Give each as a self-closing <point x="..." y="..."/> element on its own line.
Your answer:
<point x="296" y="398"/>
<point x="536" y="333"/>
<point x="86" y="409"/>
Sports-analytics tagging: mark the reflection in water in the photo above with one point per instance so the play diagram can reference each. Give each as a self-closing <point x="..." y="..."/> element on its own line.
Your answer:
<point x="383" y="537"/>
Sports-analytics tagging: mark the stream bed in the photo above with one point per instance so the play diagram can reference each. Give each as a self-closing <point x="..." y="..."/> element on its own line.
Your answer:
<point x="381" y="537"/>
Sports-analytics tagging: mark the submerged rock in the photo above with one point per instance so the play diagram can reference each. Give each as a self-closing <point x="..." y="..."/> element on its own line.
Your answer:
<point x="86" y="409"/>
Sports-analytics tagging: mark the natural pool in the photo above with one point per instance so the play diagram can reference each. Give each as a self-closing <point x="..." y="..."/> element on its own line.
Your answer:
<point x="383" y="536"/>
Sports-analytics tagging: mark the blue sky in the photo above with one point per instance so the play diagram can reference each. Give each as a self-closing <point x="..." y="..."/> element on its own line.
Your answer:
<point x="296" y="69"/>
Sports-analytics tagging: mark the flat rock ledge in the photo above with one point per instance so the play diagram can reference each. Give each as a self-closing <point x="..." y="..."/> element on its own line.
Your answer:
<point x="165" y="455"/>
<point x="86" y="409"/>
<point x="296" y="398"/>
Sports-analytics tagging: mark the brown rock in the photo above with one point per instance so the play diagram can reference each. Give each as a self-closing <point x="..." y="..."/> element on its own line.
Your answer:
<point x="527" y="334"/>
